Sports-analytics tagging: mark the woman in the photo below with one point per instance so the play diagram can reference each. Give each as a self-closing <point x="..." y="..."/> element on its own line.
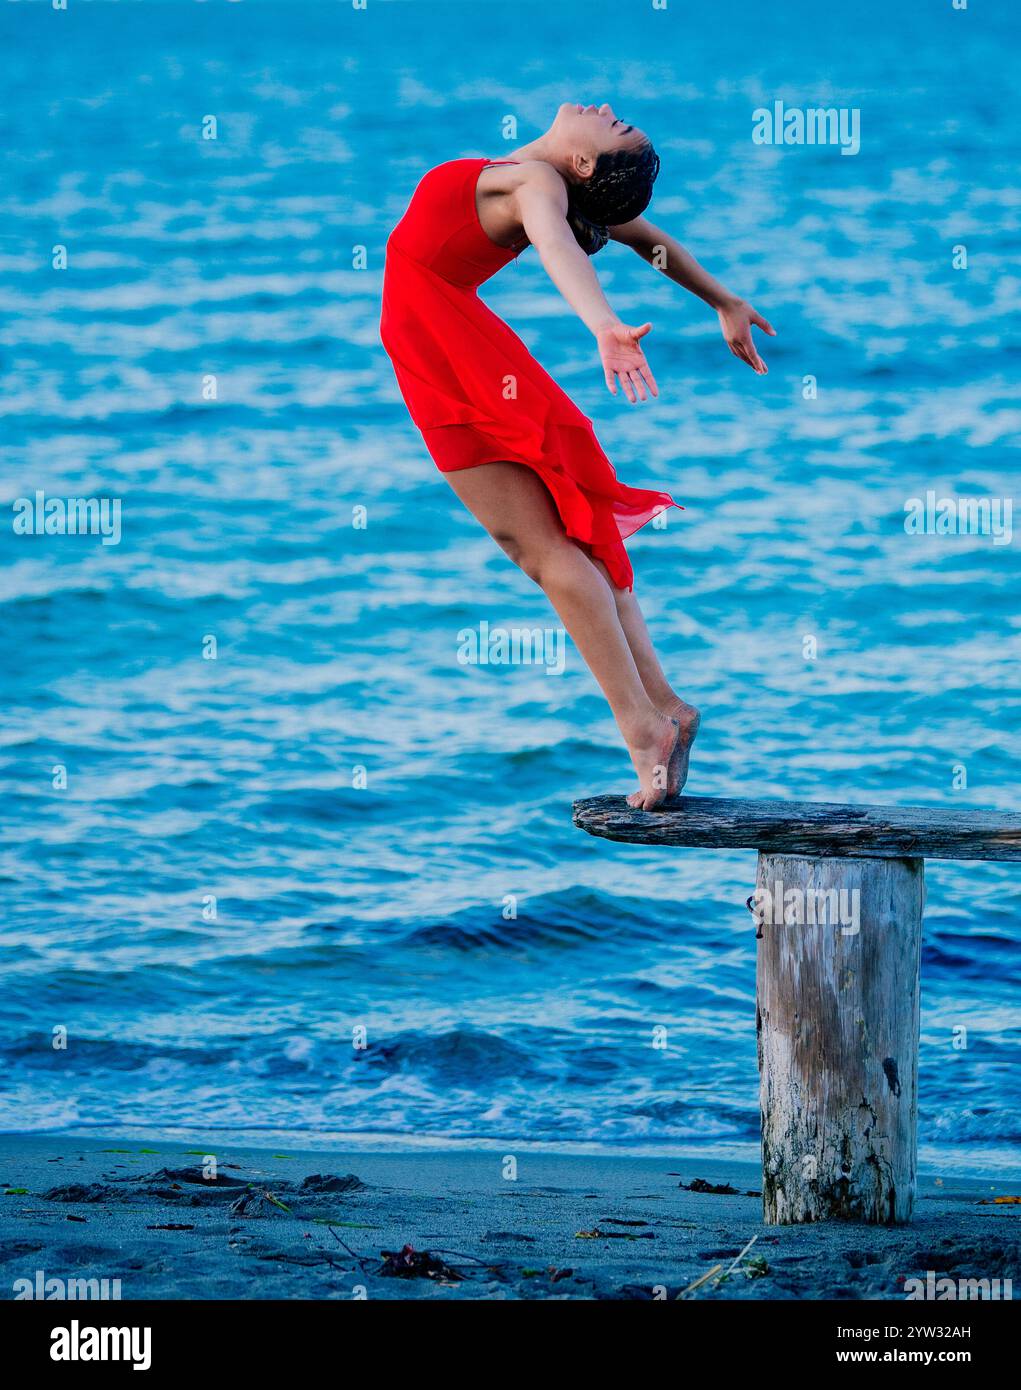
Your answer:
<point x="515" y="449"/>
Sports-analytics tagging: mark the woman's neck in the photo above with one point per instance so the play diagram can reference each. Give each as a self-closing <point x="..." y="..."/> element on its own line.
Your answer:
<point x="542" y="148"/>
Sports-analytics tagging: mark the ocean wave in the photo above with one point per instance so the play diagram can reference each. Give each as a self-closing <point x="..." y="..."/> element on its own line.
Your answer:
<point x="334" y="825"/>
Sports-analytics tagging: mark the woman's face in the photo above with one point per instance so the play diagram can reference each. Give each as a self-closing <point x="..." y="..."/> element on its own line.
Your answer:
<point x="590" y="131"/>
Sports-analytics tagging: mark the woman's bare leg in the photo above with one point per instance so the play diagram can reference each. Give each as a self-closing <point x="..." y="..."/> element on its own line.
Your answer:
<point x="657" y="687"/>
<point x="515" y="507"/>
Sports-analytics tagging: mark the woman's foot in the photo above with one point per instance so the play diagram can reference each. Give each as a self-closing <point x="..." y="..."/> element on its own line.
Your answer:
<point x="688" y="719"/>
<point x="652" y="750"/>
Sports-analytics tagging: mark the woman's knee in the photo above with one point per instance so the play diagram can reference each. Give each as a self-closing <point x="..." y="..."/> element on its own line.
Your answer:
<point x="526" y="552"/>
<point x="621" y="597"/>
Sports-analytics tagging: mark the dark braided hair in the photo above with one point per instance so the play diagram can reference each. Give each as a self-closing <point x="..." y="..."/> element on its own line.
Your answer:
<point x="620" y="189"/>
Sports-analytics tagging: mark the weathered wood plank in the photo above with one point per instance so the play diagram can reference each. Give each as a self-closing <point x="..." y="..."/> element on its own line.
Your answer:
<point x="807" y="828"/>
<point x="837" y="987"/>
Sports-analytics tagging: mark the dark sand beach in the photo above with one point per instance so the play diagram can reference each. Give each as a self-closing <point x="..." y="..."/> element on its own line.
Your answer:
<point x="314" y="1225"/>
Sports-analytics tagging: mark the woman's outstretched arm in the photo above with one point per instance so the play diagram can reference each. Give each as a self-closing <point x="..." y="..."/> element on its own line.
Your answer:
<point x="542" y="208"/>
<point x="664" y="252"/>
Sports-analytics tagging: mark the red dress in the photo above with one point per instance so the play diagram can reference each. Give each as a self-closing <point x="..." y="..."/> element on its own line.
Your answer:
<point x="473" y="388"/>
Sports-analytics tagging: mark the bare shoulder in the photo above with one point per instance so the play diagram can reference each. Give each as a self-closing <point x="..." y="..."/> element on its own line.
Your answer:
<point x="527" y="197"/>
<point x="541" y="177"/>
<point x="533" y="176"/>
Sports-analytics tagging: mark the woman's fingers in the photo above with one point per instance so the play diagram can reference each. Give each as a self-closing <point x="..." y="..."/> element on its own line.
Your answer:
<point x="629" y="390"/>
<point x="746" y="351"/>
<point x="742" y="344"/>
<point x="625" y="362"/>
<point x="751" y="355"/>
<point x="650" y="380"/>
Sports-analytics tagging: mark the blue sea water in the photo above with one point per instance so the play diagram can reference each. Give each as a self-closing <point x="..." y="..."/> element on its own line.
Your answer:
<point x="389" y="907"/>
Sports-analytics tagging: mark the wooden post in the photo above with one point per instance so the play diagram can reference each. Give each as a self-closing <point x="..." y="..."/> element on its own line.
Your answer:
<point x="837" y="1023"/>
<point x="837" y="979"/>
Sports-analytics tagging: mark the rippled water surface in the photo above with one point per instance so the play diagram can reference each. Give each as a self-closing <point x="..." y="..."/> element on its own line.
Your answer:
<point x="391" y="906"/>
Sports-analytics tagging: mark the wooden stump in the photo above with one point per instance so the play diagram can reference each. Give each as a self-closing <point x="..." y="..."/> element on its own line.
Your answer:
<point x="837" y="1024"/>
<point x="837" y="1002"/>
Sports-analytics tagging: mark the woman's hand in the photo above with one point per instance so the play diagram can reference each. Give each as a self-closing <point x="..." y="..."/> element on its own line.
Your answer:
<point x="736" y="319"/>
<point x="622" y="358"/>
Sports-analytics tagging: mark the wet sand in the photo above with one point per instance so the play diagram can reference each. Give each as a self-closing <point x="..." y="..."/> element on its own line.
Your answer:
<point x="314" y="1225"/>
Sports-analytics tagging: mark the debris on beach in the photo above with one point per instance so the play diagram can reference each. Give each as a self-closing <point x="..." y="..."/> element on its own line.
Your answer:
<point x="177" y="1176"/>
<point x="754" y="1267"/>
<point x="715" y="1189"/>
<point x="344" y="1225"/>
<point x="183" y="1186"/>
<point x="697" y="1284"/>
<point x="328" y="1182"/>
<point x="255" y="1203"/>
<point x="79" y="1192"/>
<point x="552" y="1273"/>
<point x="171" y="1226"/>
<point x="597" y="1233"/>
<point x="409" y="1263"/>
<point x="998" y="1201"/>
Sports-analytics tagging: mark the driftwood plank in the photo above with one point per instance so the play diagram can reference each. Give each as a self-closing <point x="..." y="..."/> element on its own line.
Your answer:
<point x="818" y="828"/>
